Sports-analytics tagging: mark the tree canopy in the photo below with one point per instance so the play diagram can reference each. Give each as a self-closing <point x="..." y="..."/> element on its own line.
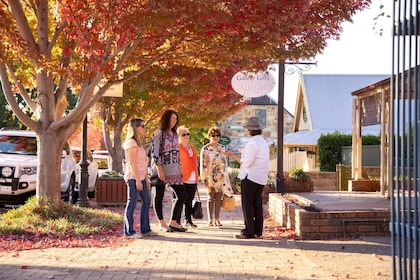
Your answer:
<point x="47" y="47"/>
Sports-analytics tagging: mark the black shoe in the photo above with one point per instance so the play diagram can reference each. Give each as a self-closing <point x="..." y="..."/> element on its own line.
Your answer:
<point x="243" y="236"/>
<point x="191" y="224"/>
<point x="178" y="229"/>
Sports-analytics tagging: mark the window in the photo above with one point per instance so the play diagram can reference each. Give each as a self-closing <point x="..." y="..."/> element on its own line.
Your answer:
<point x="262" y="115"/>
<point x="304" y="116"/>
<point x="18" y="145"/>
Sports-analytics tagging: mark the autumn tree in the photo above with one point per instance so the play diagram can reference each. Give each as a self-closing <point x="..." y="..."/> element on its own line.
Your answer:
<point x="50" y="46"/>
<point x="200" y="96"/>
<point x="7" y="119"/>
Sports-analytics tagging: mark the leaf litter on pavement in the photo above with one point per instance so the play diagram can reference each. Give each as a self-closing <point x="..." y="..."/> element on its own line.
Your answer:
<point x="108" y="237"/>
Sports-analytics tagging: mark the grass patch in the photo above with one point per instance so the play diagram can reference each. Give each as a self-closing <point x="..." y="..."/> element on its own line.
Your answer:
<point x="64" y="221"/>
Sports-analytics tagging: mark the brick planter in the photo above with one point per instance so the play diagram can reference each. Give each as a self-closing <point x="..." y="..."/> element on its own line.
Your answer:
<point x="296" y="186"/>
<point x="405" y="182"/>
<point x="310" y="224"/>
<point x="111" y="191"/>
<point x="364" y="185"/>
<point x="266" y="191"/>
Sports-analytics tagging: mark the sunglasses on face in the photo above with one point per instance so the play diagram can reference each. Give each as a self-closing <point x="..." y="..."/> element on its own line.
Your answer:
<point x="142" y="125"/>
<point x="215" y="135"/>
<point x="185" y="134"/>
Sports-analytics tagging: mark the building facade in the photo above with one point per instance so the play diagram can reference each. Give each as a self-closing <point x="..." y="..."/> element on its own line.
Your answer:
<point x="265" y="108"/>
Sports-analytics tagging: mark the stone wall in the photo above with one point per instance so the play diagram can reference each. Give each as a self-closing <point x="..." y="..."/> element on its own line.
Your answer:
<point x="232" y="126"/>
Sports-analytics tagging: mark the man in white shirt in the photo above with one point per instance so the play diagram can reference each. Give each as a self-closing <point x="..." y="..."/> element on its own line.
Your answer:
<point x="253" y="173"/>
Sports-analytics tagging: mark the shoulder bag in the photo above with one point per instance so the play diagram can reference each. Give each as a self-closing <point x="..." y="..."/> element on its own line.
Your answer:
<point x="197" y="209"/>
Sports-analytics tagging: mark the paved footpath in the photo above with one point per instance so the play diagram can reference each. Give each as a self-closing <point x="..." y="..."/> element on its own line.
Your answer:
<point x="206" y="253"/>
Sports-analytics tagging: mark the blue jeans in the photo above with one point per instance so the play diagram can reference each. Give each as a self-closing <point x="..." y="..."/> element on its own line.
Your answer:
<point x="132" y="196"/>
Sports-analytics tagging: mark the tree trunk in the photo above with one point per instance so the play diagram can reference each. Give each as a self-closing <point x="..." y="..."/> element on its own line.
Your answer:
<point x="49" y="172"/>
<point x="117" y="160"/>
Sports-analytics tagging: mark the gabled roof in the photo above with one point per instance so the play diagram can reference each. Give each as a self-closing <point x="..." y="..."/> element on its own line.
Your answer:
<point x="262" y="100"/>
<point x="266" y="100"/>
<point x="327" y="99"/>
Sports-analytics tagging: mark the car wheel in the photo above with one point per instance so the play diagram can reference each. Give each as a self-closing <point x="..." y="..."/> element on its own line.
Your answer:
<point x="92" y="194"/>
<point x="71" y="193"/>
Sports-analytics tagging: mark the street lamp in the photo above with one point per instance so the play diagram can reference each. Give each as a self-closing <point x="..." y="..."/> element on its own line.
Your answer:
<point x="84" y="175"/>
<point x="292" y="67"/>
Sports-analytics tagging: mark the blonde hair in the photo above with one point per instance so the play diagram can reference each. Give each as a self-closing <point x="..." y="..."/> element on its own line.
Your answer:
<point x="182" y="128"/>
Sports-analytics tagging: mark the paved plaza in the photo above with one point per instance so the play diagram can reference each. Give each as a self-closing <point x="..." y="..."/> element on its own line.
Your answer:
<point x="207" y="253"/>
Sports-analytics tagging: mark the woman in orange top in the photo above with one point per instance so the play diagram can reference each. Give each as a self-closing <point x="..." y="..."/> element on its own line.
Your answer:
<point x="189" y="169"/>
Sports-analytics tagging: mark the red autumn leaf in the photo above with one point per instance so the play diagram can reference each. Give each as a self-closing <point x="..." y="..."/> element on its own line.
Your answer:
<point x="86" y="42"/>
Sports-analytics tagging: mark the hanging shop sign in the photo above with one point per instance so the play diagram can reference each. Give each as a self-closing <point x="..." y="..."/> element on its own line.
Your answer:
<point x="251" y="84"/>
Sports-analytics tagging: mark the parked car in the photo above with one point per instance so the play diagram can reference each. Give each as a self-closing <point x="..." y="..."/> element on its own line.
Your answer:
<point x="18" y="167"/>
<point x="92" y="172"/>
<point x="103" y="161"/>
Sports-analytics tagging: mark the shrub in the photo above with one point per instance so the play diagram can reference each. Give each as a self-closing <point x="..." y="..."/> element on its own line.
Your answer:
<point x="297" y="174"/>
<point x="329" y="148"/>
<point x="234" y="180"/>
<point x="272" y="179"/>
<point x="111" y="174"/>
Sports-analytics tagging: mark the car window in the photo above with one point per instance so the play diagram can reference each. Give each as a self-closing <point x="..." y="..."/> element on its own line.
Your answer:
<point x="18" y="145"/>
<point x="102" y="163"/>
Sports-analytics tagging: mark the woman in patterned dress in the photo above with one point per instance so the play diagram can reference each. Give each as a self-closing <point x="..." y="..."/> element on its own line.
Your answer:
<point x="214" y="173"/>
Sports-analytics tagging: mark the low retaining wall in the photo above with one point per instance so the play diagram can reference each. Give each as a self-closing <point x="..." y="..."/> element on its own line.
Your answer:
<point x="327" y="224"/>
<point x="364" y="186"/>
<point x="324" y="181"/>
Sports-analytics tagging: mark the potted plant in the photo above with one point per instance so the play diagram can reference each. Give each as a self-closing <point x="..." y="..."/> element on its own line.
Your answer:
<point x="298" y="181"/>
<point x="234" y="180"/>
<point x="270" y="187"/>
<point x="111" y="189"/>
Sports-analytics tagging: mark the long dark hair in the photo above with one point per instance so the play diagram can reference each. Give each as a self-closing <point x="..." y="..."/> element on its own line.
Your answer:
<point x="165" y="120"/>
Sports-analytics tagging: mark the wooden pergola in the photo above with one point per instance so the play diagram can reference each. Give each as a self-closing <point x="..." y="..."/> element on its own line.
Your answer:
<point x="371" y="107"/>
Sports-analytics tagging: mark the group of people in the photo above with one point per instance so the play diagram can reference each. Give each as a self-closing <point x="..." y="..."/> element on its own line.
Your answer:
<point x="176" y="161"/>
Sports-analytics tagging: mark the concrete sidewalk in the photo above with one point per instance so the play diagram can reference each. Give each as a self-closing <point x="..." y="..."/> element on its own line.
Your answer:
<point x="206" y="253"/>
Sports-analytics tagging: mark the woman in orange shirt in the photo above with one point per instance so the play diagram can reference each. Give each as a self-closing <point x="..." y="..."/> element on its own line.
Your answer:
<point x="189" y="169"/>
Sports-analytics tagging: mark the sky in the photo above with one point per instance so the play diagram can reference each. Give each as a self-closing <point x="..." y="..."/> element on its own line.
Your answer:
<point x="360" y="50"/>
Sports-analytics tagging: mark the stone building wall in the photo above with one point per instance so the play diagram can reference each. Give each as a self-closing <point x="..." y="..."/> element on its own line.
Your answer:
<point x="232" y="126"/>
<point x="266" y="109"/>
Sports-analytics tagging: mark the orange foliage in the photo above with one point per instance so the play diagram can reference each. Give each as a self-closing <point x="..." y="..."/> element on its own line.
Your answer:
<point x="53" y="45"/>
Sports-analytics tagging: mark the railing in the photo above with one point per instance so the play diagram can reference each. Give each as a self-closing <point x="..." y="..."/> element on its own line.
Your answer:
<point x="404" y="140"/>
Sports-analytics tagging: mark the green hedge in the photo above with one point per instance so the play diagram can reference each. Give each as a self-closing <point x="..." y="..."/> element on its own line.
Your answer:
<point x="329" y="148"/>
